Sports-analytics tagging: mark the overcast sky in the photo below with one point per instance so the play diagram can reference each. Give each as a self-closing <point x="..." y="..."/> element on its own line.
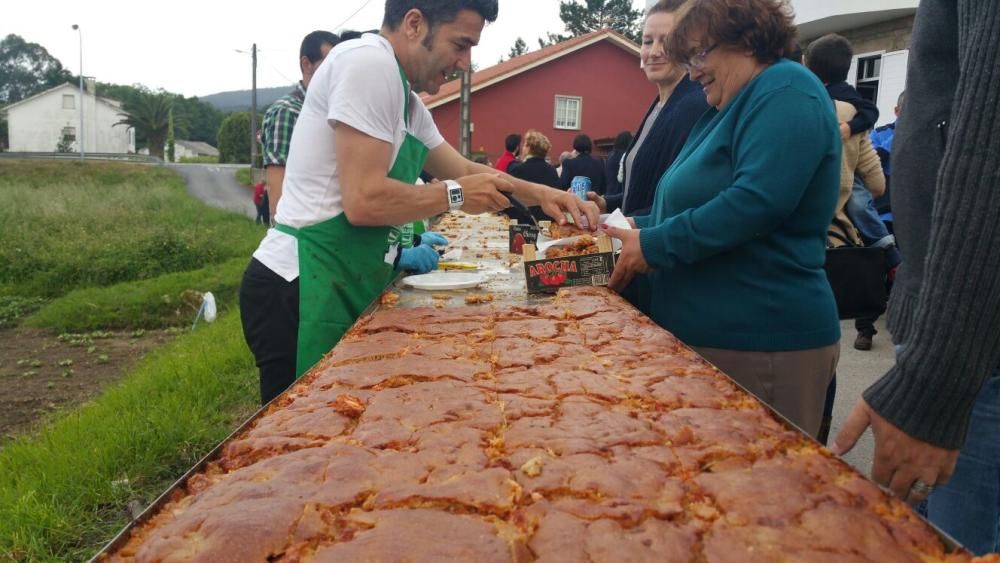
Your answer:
<point x="190" y="47"/>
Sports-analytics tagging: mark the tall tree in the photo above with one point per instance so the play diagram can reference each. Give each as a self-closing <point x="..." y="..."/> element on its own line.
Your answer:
<point x="592" y="15"/>
<point x="194" y="120"/>
<point x="197" y="120"/>
<point x="519" y="48"/>
<point x="234" y="138"/>
<point x="551" y="39"/>
<point x="150" y="114"/>
<point x="27" y="69"/>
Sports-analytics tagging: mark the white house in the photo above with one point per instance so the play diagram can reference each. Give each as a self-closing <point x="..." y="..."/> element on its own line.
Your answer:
<point x="38" y="123"/>
<point x="187" y="149"/>
<point x="879" y="30"/>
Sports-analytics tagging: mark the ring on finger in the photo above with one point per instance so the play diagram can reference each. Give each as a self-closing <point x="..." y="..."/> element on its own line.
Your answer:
<point x="921" y="488"/>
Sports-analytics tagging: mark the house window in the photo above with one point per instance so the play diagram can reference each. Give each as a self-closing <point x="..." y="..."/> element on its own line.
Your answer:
<point x="568" y="112"/>
<point x="69" y="133"/>
<point x="69" y="101"/>
<point x="869" y="72"/>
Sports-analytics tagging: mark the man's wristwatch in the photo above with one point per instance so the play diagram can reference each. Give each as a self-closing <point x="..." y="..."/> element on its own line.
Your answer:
<point x="455" y="195"/>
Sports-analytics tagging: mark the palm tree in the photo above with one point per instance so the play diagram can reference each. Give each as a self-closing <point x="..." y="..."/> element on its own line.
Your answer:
<point x="149" y="113"/>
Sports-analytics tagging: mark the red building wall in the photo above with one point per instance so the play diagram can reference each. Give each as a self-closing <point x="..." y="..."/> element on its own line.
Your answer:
<point x="614" y="89"/>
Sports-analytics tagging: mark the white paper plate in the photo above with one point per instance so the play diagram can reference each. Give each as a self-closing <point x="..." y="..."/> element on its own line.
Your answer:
<point x="445" y="280"/>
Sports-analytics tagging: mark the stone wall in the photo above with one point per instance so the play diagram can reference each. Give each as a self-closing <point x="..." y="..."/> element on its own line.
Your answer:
<point x="892" y="35"/>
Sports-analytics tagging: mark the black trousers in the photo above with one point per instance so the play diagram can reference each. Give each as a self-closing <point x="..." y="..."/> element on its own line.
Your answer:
<point x="269" y="310"/>
<point x="264" y="211"/>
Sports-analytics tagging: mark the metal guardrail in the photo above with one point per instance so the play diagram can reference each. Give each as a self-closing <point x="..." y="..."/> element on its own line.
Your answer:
<point x="139" y="158"/>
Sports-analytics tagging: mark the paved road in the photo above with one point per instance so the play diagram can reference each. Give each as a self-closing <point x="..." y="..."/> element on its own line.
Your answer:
<point x="856" y="371"/>
<point x="216" y="185"/>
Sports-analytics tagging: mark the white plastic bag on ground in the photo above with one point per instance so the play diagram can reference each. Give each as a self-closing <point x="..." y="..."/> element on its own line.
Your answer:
<point x="209" y="303"/>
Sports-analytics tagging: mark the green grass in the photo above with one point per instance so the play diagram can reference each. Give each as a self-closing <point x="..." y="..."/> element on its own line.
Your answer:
<point x="199" y="160"/>
<point x="62" y="491"/>
<point x="169" y="300"/>
<point x="88" y="247"/>
<point x="69" y="225"/>
<point x="244" y="176"/>
<point x="13" y="308"/>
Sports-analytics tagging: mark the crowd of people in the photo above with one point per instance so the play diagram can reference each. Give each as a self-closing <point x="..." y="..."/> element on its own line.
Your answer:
<point x="752" y="160"/>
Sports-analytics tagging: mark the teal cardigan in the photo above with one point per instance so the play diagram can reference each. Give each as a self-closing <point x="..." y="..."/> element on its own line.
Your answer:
<point x="737" y="234"/>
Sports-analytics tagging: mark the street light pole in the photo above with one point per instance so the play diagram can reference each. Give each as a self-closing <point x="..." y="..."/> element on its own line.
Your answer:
<point x="80" y="135"/>
<point x="253" y="114"/>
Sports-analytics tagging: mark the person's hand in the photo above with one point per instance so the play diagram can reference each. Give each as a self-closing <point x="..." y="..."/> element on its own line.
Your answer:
<point x="595" y="197"/>
<point x="900" y="459"/>
<point x="631" y="221"/>
<point x="433" y="239"/>
<point x="419" y="259"/>
<point x="630" y="262"/>
<point x="556" y="203"/>
<point x="845" y="131"/>
<point x="482" y="192"/>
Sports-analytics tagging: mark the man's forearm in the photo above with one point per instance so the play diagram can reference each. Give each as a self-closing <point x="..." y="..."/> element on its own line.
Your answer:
<point x="953" y="344"/>
<point x="392" y="202"/>
<point x="275" y="176"/>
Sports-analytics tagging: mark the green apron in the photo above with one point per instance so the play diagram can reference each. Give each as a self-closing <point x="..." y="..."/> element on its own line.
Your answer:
<point x="343" y="268"/>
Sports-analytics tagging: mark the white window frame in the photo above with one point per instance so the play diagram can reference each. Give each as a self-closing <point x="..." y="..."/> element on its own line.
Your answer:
<point x="579" y="113"/>
<point x="855" y="67"/>
<point x="71" y="98"/>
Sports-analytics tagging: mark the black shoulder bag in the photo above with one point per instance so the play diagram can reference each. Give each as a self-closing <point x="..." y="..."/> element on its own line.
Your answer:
<point x="858" y="277"/>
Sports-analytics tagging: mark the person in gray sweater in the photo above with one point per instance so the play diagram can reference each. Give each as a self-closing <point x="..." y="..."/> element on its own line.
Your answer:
<point x="943" y="393"/>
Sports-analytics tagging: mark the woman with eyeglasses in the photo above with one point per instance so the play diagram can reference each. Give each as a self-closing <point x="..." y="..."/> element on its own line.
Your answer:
<point x="735" y="242"/>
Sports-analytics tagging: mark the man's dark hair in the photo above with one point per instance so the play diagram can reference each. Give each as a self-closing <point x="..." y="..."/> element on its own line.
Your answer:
<point x="437" y="12"/>
<point x="795" y="56"/>
<point x="829" y="57"/>
<point x="622" y="141"/>
<point x="582" y="144"/>
<point x="349" y="34"/>
<point x="512" y="142"/>
<point x="311" y="44"/>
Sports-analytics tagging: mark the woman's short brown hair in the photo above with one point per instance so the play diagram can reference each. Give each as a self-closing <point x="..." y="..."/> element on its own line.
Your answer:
<point x="536" y="144"/>
<point x="665" y="7"/>
<point x="766" y="28"/>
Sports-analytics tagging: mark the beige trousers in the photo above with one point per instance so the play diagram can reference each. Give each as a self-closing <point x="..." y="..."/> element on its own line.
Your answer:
<point x="793" y="383"/>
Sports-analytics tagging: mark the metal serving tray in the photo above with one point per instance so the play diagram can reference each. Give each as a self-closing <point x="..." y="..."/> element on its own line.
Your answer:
<point x="507" y="287"/>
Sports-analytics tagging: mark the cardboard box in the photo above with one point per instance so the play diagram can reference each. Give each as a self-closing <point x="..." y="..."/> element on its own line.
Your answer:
<point x="543" y="275"/>
<point x="521" y="235"/>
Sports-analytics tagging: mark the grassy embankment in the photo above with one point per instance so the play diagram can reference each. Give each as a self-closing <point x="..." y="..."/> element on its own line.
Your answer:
<point x="101" y="246"/>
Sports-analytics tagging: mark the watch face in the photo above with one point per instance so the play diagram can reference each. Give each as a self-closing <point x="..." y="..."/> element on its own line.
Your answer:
<point x="455" y="195"/>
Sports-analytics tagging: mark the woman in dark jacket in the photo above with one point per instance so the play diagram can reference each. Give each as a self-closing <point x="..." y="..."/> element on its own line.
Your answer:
<point x="534" y="168"/>
<point x="667" y="123"/>
<point x="614" y="186"/>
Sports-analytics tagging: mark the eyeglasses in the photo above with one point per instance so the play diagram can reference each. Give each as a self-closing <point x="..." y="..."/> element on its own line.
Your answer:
<point x="699" y="59"/>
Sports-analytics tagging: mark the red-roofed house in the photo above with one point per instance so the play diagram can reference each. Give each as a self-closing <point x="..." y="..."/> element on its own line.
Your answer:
<point x="588" y="84"/>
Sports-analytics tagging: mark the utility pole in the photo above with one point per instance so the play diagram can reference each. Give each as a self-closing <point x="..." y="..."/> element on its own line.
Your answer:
<point x="253" y="113"/>
<point x="79" y="137"/>
<point x="464" y="121"/>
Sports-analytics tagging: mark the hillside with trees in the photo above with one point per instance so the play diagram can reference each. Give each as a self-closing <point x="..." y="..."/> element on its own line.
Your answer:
<point x="239" y="100"/>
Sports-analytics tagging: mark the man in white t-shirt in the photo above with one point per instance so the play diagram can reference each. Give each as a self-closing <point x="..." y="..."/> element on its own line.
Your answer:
<point x="350" y="212"/>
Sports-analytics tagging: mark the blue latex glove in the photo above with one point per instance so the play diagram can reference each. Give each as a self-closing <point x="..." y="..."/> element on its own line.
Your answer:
<point x="433" y="239"/>
<point x="419" y="259"/>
